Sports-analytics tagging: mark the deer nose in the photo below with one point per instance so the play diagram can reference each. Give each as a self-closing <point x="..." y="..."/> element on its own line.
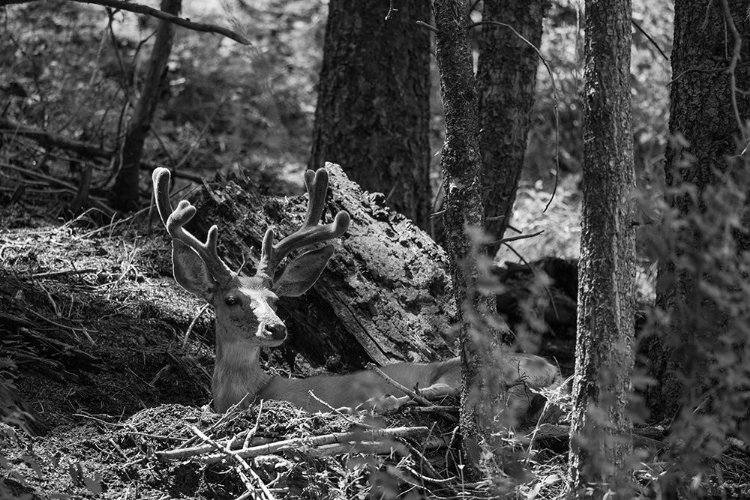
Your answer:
<point x="276" y="331"/>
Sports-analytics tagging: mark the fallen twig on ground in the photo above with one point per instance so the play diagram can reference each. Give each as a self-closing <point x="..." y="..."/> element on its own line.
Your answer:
<point x="292" y="444"/>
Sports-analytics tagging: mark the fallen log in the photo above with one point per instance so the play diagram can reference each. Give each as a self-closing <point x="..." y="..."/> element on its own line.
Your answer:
<point x="385" y="295"/>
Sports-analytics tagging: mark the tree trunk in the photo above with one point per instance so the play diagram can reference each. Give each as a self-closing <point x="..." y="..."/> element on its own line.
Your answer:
<point x="481" y="396"/>
<point x="601" y="428"/>
<point x="385" y="296"/>
<point x="506" y="82"/>
<point x="373" y="101"/>
<point x="701" y="111"/>
<point x="125" y="195"/>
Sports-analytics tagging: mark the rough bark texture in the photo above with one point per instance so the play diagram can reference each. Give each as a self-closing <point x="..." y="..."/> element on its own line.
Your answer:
<point x="373" y="101"/>
<point x="506" y="82"/>
<point x="461" y="164"/>
<point x="125" y="195"/>
<point x="701" y="111"/>
<point x="601" y="428"/>
<point x="385" y="296"/>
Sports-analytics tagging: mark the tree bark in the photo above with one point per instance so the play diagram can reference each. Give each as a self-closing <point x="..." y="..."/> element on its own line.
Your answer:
<point x="373" y="101"/>
<point x="126" y="193"/>
<point x="481" y="396"/>
<point x="701" y="112"/>
<point x="601" y="429"/>
<point x="385" y="296"/>
<point x="506" y="83"/>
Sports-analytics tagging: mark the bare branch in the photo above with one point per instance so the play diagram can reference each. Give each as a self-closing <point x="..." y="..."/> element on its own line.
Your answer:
<point x="653" y="42"/>
<point x="142" y="9"/>
<point x="733" y="66"/>
<point x="514" y="238"/>
<point x="295" y="443"/>
<point x="11" y="128"/>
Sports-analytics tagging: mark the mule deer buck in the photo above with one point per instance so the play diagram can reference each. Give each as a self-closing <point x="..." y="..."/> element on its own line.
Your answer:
<point x="246" y="318"/>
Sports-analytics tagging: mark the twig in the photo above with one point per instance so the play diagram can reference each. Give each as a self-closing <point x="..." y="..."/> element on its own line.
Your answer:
<point x="338" y="411"/>
<point x="192" y="324"/>
<point x="371" y="447"/>
<point x="416" y="397"/>
<point x="429" y="27"/>
<point x="65" y="327"/>
<point x="99" y="204"/>
<point x="51" y="300"/>
<point x="423" y="462"/>
<point x="733" y="65"/>
<point x="514" y="238"/>
<point x="554" y="96"/>
<point x="315" y="441"/>
<point x="239" y="460"/>
<point x="251" y="433"/>
<point x="100" y="421"/>
<point x="708" y="12"/>
<point x="704" y="71"/>
<point x="233" y="411"/>
<point x="432" y="409"/>
<point x="53" y="274"/>
<point x="202" y="449"/>
<point x="653" y="42"/>
<point x="390" y="10"/>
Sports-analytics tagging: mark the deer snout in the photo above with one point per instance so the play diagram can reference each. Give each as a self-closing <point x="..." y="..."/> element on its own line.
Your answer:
<point x="272" y="331"/>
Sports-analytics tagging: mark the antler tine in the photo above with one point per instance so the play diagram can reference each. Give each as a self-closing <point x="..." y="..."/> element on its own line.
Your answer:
<point x="174" y="220"/>
<point x="160" y="178"/>
<point x="311" y="232"/>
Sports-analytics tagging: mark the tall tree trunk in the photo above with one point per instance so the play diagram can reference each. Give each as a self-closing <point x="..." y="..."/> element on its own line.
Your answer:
<point x="601" y="440"/>
<point x="481" y="397"/>
<point x="506" y="82"/>
<point x="373" y="101"/>
<point x="125" y="195"/>
<point x="701" y="111"/>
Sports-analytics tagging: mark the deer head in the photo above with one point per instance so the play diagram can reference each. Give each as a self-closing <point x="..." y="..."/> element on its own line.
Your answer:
<point x="245" y="306"/>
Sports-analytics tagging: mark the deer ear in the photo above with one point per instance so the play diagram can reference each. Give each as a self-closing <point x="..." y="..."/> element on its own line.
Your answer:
<point x="191" y="272"/>
<point x="302" y="273"/>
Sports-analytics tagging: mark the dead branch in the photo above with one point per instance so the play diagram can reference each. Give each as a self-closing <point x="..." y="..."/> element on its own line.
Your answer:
<point x="372" y="447"/>
<point x="149" y="11"/>
<point x="296" y="443"/>
<point x="412" y="394"/>
<point x="54" y="274"/>
<point x="11" y="128"/>
<point x="514" y="238"/>
<point x="240" y="460"/>
<point x="416" y="397"/>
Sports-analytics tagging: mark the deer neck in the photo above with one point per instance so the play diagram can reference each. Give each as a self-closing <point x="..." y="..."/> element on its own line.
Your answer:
<point x="237" y="374"/>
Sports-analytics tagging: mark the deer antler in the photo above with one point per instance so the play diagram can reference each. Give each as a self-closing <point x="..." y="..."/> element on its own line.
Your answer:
<point x="310" y="232"/>
<point x="174" y="220"/>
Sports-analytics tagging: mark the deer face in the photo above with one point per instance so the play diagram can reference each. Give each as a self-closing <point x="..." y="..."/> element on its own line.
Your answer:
<point x="246" y="306"/>
<point x="246" y="311"/>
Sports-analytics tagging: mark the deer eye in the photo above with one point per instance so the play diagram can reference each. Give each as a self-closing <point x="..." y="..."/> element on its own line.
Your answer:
<point x="231" y="300"/>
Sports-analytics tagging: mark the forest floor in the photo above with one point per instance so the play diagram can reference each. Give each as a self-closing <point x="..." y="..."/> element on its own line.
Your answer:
<point x="111" y="363"/>
<point x="111" y="360"/>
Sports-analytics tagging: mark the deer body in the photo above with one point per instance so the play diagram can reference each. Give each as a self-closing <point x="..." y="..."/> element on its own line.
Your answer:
<point x="246" y="320"/>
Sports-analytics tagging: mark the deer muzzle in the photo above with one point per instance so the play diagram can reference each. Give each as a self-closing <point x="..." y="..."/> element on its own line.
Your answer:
<point x="271" y="332"/>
